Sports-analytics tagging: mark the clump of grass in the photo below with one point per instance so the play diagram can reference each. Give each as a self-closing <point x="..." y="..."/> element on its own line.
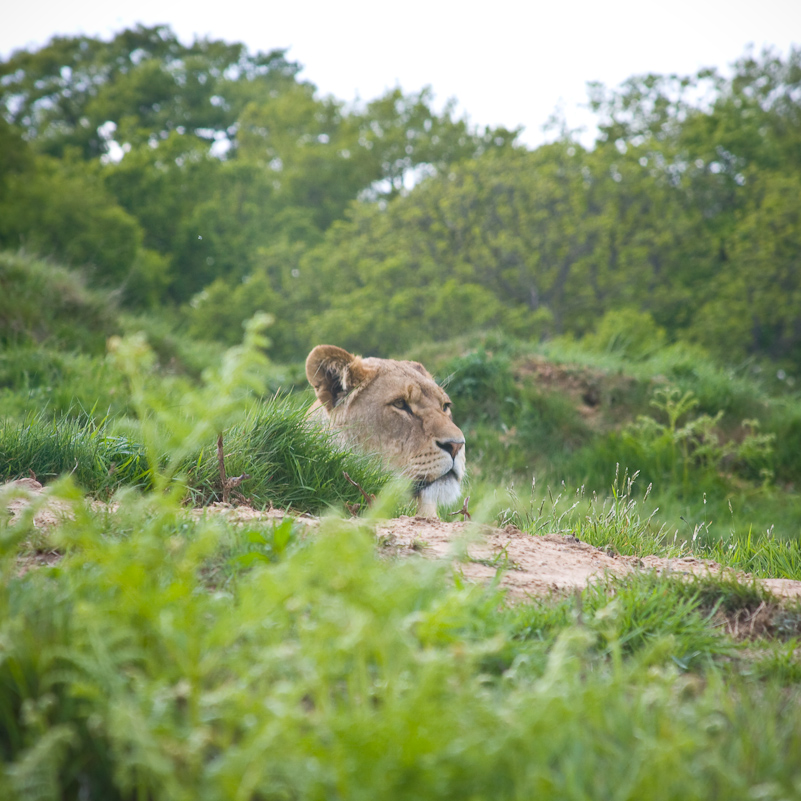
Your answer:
<point x="765" y="555"/>
<point x="290" y="463"/>
<point x="98" y="459"/>
<point x="777" y="661"/>
<point x="171" y="443"/>
<point x="631" y="615"/>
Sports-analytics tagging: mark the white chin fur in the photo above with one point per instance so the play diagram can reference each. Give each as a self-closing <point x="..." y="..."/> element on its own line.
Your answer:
<point x="442" y="492"/>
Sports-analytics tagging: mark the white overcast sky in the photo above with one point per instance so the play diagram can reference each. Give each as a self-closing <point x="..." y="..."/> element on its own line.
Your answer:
<point x="507" y="63"/>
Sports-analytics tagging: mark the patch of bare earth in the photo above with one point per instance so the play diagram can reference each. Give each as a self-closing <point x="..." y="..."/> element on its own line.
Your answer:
<point x="532" y="565"/>
<point x="23" y="491"/>
<point x="50" y="512"/>
<point x="538" y="565"/>
<point x="595" y="393"/>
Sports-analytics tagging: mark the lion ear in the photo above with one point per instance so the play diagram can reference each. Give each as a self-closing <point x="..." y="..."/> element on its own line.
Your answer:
<point x="333" y="372"/>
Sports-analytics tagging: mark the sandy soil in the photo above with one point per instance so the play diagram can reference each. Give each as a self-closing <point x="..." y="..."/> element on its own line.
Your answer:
<point x="19" y="495"/>
<point x="532" y="565"/>
<point x="537" y="565"/>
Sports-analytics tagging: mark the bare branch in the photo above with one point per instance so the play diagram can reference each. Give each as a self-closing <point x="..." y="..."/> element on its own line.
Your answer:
<point x="463" y="511"/>
<point x="227" y="484"/>
<point x="354" y="508"/>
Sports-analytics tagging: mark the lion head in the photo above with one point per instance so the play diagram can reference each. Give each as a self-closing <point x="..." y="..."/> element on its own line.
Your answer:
<point x="396" y="410"/>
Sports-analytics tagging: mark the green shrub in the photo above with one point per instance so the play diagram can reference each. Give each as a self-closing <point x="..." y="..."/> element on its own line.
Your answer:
<point x="685" y="444"/>
<point x="627" y="332"/>
<point x="511" y="426"/>
<point x="784" y="421"/>
<point x="549" y="426"/>
<point x="482" y="387"/>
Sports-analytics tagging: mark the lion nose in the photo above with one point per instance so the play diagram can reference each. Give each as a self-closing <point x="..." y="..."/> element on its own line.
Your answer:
<point x="452" y="446"/>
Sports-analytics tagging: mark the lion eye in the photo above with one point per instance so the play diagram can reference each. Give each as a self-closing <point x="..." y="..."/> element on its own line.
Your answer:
<point x="446" y="407"/>
<point x="400" y="403"/>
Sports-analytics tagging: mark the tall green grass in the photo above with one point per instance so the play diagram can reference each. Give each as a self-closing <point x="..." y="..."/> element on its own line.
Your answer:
<point x="98" y="459"/>
<point x="628" y="521"/>
<point x="289" y="463"/>
<point x="169" y="442"/>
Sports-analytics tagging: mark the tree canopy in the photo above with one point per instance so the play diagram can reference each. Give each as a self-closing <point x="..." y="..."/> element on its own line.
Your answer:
<point x="216" y="182"/>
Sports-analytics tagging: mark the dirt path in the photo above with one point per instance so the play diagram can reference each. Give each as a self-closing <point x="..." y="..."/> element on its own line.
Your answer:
<point x="533" y="565"/>
<point x="537" y="565"/>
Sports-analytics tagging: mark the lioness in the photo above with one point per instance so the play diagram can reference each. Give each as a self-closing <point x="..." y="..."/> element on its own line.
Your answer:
<point x="394" y="409"/>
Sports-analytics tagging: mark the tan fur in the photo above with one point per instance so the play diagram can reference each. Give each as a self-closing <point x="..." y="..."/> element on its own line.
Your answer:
<point x="394" y="409"/>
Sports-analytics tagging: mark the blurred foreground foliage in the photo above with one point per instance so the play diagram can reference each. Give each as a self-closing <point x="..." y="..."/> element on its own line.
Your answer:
<point x="173" y="657"/>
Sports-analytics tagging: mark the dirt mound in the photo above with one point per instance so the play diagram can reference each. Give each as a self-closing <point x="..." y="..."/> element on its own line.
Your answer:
<point x="22" y="491"/>
<point x="600" y="397"/>
<point x="532" y="565"/>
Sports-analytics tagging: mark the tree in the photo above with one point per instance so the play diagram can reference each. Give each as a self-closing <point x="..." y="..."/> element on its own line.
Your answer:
<point x="403" y="136"/>
<point x="140" y="86"/>
<point x="212" y="149"/>
<point x="753" y="307"/>
<point x="59" y="208"/>
<point x="307" y="148"/>
<point x="322" y="156"/>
